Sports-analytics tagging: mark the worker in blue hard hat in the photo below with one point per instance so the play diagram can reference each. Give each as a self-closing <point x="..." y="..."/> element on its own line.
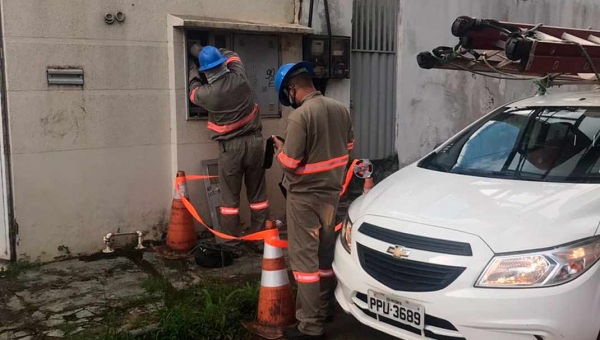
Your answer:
<point x="314" y="156"/>
<point x="234" y="120"/>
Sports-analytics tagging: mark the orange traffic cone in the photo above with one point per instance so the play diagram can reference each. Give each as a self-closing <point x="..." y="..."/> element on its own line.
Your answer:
<point x="276" y="308"/>
<point x="181" y="235"/>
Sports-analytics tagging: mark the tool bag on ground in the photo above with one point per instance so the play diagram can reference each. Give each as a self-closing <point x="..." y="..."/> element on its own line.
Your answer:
<point x="212" y="256"/>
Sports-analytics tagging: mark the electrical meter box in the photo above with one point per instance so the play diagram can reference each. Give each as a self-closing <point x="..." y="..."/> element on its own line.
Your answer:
<point x="340" y="58"/>
<point x="316" y="52"/>
<point x="329" y="56"/>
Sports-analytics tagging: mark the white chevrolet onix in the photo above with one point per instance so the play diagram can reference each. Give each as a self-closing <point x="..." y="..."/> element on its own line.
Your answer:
<point x="492" y="236"/>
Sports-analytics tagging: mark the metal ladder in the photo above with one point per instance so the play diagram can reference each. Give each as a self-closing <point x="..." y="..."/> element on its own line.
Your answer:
<point x="547" y="54"/>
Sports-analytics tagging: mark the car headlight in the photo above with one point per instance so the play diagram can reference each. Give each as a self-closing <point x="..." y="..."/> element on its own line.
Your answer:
<point x="543" y="268"/>
<point x="346" y="236"/>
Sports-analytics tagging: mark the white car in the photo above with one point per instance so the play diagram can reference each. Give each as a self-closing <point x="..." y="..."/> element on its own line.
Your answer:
<point x="492" y="236"/>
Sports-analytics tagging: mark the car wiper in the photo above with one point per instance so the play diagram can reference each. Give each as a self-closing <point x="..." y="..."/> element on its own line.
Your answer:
<point x="429" y="164"/>
<point x="438" y="167"/>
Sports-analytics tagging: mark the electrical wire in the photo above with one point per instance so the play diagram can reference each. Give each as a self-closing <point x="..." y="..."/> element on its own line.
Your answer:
<point x="516" y="77"/>
<point x="447" y="60"/>
<point x="487" y="74"/>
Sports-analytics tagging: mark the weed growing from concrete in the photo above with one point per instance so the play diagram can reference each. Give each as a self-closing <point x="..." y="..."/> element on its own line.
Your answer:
<point x="211" y="310"/>
<point x="14" y="269"/>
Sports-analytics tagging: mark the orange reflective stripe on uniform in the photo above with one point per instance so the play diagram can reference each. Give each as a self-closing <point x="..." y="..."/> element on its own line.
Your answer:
<point x="232" y="59"/>
<point x="233" y="126"/>
<point x="287" y="161"/>
<point x="259" y="205"/>
<point x="313" y="168"/>
<point x="229" y="211"/>
<point x="306" y="277"/>
<point x="193" y="94"/>
<point x="326" y="272"/>
<point x="351" y="145"/>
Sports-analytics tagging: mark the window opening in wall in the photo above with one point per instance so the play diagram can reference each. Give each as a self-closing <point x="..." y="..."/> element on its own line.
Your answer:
<point x="260" y="54"/>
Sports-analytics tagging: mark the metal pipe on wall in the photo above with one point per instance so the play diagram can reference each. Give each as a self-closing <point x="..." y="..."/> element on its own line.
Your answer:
<point x="327" y="18"/>
<point x="10" y="210"/>
<point x="107" y="238"/>
<point x="310" y="12"/>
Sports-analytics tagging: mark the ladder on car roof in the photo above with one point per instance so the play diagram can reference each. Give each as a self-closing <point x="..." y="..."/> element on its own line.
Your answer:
<point x="546" y="54"/>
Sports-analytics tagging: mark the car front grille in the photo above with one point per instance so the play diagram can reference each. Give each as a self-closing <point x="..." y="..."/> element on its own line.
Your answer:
<point x="431" y="321"/>
<point x="406" y="275"/>
<point x="415" y="241"/>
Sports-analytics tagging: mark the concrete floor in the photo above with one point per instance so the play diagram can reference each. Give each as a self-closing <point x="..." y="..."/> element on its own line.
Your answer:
<point x="345" y="327"/>
<point x="58" y="300"/>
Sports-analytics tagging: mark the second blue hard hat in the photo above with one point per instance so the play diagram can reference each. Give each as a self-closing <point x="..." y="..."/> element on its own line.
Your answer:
<point x="283" y="75"/>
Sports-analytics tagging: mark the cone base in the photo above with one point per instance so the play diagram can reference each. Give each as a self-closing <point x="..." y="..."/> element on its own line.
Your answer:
<point x="276" y="306"/>
<point x="265" y="332"/>
<point x="171" y="254"/>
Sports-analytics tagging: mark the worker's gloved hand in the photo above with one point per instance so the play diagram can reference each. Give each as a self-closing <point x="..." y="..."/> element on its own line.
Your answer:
<point x="193" y="75"/>
<point x="195" y="49"/>
<point x="277" y="142"/>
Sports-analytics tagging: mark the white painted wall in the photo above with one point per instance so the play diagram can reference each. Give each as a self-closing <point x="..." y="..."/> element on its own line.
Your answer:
<point x="87" y="162"/>
<point x="340" y="13"/>
<point x="433" y="105"/>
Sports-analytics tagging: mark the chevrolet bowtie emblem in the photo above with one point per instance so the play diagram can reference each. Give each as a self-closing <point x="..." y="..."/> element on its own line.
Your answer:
<point x="398" y="252"/>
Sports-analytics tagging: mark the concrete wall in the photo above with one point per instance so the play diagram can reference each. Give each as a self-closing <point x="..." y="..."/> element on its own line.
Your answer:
<point x="436" y="103"/>
<point x="340" y="13"/>
<point x="102" y="158"/>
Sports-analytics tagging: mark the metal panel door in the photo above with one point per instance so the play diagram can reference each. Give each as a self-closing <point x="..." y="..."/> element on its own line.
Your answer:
<point x="373" y="89"/>
<point x="260" y="54"/>
<point x="210" y="167"/>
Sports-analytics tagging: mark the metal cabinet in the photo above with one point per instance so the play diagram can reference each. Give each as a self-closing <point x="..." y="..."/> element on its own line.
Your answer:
<point x="260" y="54"/>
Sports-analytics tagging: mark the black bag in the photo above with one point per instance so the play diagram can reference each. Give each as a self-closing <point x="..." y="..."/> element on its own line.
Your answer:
<point x="282" y="188"/>
<point x="212" y="256"/>
<point x="269" y="152"/>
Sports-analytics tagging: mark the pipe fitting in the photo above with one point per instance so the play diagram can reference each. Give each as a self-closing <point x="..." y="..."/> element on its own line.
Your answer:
<point x="106" y="240"/>
<point x="109" y="18"/>
<point x="140" y="245"/>
<point x="120" y="16"/>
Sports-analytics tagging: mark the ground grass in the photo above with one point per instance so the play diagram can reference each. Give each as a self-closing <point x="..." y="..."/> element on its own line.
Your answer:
<point x="209" y="311"/>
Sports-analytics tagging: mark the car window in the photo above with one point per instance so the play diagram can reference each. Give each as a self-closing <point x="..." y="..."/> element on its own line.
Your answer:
<point x="541" y="144"/>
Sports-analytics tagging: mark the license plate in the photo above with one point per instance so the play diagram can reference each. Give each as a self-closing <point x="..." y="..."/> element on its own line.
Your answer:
<point x="397" y="309"/>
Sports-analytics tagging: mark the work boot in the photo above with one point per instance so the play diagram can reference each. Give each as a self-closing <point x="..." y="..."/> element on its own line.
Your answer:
<point x="293" y="333"/>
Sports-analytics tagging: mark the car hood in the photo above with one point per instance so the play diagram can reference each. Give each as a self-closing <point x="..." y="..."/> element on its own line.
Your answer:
<point x="509" y="215"/>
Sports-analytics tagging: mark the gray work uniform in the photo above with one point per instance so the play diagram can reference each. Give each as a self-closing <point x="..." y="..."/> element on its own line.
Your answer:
<point x="234" y="120"/>
<point x="314" y="157"/>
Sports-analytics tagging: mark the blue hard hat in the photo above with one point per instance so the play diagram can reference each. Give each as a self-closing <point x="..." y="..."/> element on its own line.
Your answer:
<point x="284" y="73"/>
<point x="210" y="57"/>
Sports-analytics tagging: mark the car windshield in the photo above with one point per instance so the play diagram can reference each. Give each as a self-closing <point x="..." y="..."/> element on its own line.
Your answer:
<point x="558" y="144"/>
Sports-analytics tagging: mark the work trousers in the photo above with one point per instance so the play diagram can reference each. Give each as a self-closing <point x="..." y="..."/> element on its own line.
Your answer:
<point x="311" y="237"/>
<point x="241" y="159"/>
